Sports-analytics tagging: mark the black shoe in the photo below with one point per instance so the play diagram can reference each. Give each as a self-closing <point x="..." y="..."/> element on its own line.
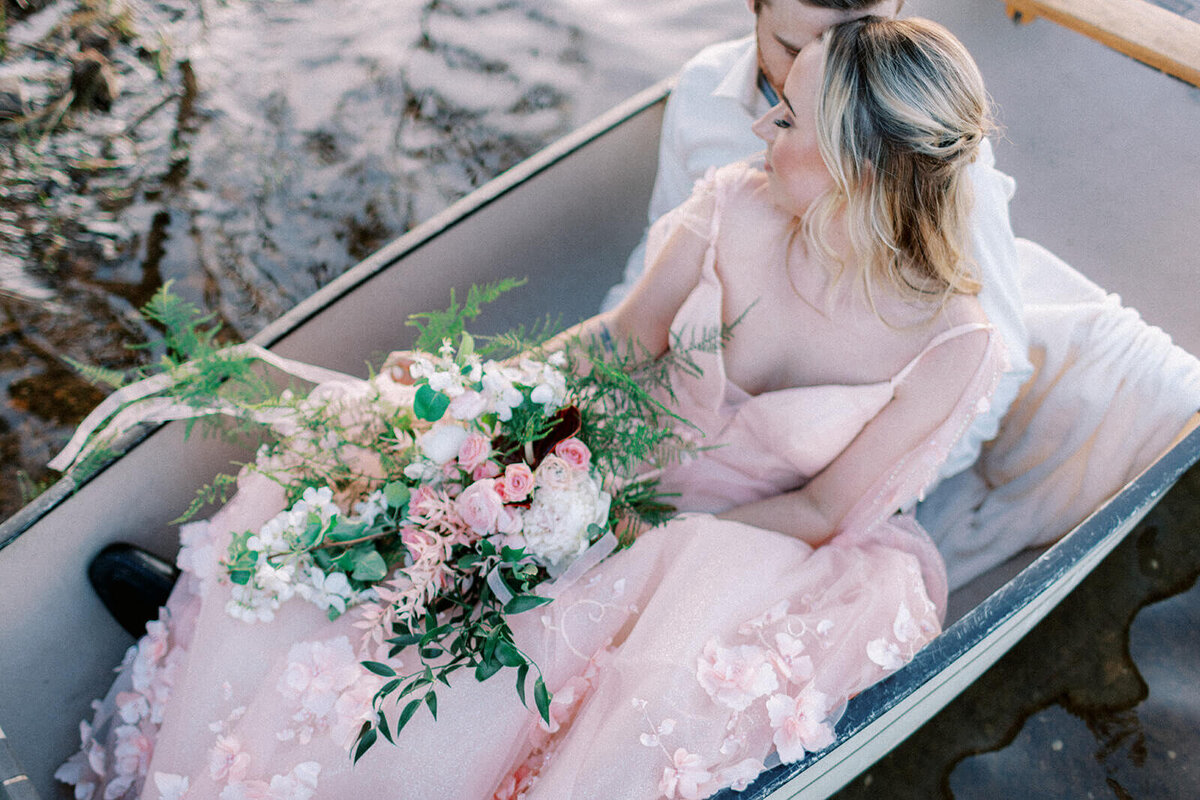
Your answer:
<point x="132" y="583"/>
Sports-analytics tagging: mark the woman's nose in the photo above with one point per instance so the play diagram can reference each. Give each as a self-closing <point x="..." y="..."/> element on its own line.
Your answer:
<point x="764" y="127"/>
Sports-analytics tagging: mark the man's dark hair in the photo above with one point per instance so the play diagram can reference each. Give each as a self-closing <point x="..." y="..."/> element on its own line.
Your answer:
<point x="837" y="5"/>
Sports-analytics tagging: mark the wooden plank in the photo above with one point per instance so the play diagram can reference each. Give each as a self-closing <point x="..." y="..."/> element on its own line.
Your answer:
<point x="1137" y="28"/>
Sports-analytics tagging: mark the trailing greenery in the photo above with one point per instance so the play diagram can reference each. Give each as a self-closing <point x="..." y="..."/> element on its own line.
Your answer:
<point x="362" y="444"/>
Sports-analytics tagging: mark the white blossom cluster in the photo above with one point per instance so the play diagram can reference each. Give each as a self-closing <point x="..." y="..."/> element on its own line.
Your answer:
<point x="282" y="571"/>
<point x="478" y="387"/>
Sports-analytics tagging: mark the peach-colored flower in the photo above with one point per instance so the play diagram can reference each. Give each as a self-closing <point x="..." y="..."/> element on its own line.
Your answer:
<point x="574" y="452"/>
<point x="800" y="723"/>
<point x="516" y="484"/>
<point x="474" y="450"/>
<point x="479" y="506"/>
<point x="554" y="473"/>
<point x="735" y="676"/>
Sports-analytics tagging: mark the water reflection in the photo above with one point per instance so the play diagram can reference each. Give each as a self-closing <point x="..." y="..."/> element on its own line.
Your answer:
<point x="255" y="151"/>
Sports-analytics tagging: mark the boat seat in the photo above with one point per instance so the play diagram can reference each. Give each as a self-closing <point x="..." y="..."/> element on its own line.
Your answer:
<point x="1153" y="35"/>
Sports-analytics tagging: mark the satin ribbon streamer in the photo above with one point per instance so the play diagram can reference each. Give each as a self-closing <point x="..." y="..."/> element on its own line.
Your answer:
<point x="599" y="550"/>
<point x="133" y="404"/>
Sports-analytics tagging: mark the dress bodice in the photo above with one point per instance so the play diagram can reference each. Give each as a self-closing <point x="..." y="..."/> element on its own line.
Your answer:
<point x="752" y="446"/>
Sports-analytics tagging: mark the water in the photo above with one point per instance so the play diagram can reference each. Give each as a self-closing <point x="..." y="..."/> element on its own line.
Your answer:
<point x="260" y="148"/>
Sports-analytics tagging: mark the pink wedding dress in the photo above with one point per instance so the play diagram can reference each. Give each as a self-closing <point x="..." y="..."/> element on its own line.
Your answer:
<point x="677" y="666"/>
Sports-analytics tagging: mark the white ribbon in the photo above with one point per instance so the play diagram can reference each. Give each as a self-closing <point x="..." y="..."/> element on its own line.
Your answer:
<point x="133" y="404"/>
<point x="596" y="552"/>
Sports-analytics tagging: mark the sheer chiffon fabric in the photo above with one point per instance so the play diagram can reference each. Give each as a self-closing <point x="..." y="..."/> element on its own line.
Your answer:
<point x="677" y="666"/>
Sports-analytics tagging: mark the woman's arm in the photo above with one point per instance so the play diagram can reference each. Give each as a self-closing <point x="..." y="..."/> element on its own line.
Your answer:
<point x="922" y="402"/>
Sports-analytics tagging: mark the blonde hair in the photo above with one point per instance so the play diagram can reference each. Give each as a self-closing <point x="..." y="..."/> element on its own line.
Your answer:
<point x="902" y="111"/>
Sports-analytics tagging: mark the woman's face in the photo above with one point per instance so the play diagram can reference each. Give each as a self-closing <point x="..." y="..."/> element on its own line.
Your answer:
<point x="796" y="173"/>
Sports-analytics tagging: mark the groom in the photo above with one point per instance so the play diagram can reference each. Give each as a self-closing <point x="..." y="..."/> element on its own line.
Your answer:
<point x="729" y="85"/>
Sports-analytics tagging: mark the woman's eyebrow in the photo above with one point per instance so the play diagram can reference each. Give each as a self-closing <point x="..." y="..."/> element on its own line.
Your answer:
<point x="787" y="103"/>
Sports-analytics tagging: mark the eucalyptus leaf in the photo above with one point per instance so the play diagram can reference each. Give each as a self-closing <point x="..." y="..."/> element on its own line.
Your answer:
<point x="369" y="567"/>
<point x="311" y="536"/>
<point x="430" y="405"/>
<point x="344" y="531"/>
<point x="396" y="494"/>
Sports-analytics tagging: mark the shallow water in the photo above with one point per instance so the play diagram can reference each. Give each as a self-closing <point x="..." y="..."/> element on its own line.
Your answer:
<point x="283" y="141"/>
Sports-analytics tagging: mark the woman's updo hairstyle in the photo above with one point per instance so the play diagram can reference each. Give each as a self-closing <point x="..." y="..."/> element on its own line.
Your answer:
<point x="901" y="113"/>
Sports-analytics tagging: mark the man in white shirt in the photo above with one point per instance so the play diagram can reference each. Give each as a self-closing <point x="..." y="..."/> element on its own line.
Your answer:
<point x="727" y="86"/>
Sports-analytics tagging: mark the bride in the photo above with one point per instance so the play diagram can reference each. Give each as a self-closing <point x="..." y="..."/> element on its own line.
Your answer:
<point x="739" y="629"/>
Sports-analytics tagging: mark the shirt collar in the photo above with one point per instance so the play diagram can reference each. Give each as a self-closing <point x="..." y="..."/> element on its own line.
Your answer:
<point x="741" y="82"/>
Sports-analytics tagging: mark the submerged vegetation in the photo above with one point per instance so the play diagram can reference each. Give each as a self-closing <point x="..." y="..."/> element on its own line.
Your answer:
<point x="233" y="147"/>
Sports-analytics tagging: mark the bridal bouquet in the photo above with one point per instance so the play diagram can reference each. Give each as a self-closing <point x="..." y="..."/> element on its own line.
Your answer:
<point x="438" y="494"/>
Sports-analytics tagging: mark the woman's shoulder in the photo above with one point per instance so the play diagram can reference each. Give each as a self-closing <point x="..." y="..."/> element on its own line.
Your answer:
<point x="745" y="175"/>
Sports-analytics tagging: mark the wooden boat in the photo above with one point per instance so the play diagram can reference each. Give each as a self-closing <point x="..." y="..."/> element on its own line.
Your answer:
<point x="565" y="218"/>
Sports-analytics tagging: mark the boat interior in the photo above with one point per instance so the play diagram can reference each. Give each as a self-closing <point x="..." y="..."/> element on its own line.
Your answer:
<point x="1104" y="152"/>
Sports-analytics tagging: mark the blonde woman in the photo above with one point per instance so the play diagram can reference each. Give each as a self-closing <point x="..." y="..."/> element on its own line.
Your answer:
<point x="736" y="630"/>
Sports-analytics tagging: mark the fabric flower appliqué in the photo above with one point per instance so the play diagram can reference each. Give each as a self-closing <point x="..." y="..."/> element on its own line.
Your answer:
<point x="800" y="723"/>
<point x="889" y="654"/>
<point x="735" y="676"/>
<point x="686" y="777"/>
<point x="316" y="676"/>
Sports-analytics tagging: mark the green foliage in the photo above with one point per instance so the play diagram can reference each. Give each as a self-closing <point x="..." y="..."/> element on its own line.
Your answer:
<point x="436" y="327"/>
<point x="615" y="404"/>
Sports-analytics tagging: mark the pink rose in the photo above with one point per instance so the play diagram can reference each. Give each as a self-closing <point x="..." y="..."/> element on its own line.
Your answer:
<point x="488" y="469"/>
<point x="479" y="506"/>
<point x="517" y="482"/>
<point x="574" y="452"/>
<point x="474" y="451"/>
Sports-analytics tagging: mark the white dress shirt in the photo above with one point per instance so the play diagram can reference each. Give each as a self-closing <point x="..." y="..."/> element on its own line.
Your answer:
<point x="707" y="124"/>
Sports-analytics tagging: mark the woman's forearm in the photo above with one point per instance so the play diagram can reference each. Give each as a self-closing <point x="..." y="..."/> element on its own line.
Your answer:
<point x="793" y="514"/>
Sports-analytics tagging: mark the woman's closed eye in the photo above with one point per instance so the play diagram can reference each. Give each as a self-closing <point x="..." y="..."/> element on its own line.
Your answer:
<point x="782" y="123"/>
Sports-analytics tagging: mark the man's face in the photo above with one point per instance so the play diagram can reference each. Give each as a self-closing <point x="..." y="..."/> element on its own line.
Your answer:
<point x="784" y="27"/>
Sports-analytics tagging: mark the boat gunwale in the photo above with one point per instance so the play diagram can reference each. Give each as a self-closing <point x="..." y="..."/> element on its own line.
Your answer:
<point x="362" y="273"/>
